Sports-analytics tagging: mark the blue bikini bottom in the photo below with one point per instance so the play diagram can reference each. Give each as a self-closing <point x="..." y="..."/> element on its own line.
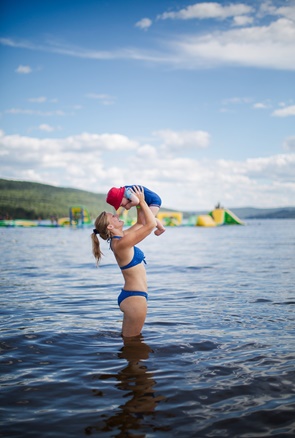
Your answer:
<point x="130" y="293"/>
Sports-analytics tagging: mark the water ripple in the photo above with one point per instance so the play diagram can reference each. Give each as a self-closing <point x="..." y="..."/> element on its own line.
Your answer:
<point x="217" y="356"/>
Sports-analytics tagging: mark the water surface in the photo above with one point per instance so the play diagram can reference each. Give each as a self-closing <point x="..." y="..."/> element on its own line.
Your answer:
<point x="217" y="352"/>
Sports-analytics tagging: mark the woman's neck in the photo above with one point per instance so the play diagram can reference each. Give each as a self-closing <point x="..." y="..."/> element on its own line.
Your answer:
<point x="117" y="234"/>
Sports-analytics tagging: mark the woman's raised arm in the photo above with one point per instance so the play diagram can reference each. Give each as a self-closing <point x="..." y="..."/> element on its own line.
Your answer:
<point x="145" y="221"/>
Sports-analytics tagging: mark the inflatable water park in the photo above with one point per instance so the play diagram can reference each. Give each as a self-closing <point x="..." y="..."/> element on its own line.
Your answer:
<point x="218" y="216"/>
<point x="80" y="217"/>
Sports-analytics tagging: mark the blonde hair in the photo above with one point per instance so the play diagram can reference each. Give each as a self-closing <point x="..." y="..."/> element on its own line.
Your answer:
<point x="101" y="224"/>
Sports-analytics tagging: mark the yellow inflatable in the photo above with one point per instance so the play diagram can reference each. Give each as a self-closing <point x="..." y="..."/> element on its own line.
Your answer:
<point x="170" y="218"/>
<point x="24" y="223"/>
<point x="79" y="216"/>
<point x="222" y="216"/>
<point x="63" y="221"/>
<point x="218" y="216"/>
<point x="205" y="221"/>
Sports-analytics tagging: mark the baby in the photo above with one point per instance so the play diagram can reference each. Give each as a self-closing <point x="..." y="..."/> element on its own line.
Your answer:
<point x="124" y="197"/>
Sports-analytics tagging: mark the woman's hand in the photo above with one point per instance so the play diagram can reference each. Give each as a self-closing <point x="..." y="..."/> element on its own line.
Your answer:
<point x="138" y="191"/>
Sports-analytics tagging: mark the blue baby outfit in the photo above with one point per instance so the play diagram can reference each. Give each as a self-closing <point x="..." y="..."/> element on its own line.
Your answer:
<point x="151" y="198"/>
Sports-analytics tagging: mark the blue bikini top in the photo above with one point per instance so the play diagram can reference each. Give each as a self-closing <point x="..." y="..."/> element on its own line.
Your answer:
<point x="138" y="256"/>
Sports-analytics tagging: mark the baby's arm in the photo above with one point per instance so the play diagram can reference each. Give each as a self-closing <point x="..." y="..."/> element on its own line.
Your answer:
<point x="132" y="198"/>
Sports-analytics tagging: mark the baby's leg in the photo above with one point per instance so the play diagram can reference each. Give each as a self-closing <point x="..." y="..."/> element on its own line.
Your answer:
<point x="160" y="228"/>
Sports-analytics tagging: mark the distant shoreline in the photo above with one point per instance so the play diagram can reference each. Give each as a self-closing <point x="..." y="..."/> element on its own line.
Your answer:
<point x="32" y="201"/>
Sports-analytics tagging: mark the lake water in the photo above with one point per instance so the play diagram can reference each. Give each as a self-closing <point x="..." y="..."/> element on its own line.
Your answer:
<point x="217" y="353"/>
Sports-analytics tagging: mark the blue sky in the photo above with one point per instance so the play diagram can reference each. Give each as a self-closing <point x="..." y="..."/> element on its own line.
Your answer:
<point x="192" y="99"/>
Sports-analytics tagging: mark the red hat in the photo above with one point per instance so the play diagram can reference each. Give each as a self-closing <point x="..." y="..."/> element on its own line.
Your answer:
<point x="115" y="196"/>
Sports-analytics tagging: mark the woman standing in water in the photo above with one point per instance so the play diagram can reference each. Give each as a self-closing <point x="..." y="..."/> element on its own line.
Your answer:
<point x="133" y="297"/>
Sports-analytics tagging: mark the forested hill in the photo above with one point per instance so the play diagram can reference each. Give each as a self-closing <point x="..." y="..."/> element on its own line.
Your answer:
<point x="30" y="200"/>
<point x="264" y="213"/>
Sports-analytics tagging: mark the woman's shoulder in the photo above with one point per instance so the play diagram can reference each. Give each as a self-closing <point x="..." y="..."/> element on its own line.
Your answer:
<point x="120" y="241"/>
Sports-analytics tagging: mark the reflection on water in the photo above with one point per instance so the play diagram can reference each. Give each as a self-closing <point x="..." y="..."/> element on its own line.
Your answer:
<point x="138" y="385"/>
<point x="218" y="353"/>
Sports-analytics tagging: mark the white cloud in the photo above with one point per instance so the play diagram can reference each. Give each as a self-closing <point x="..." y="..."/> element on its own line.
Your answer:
<point x="277" y="167"/>
<point x="208" y="10"/>
<point x="285" y="112"/>
<point x="147" y="152"/>
<point x="82" y="161"/>
<point x="268" y="8"/>
<point x="55" y="47"/>
<point x="181" y="139"/>
<point x="236" y="100"/>
<point x="144" y="24"/>
<point x="242" y="20"/>
<point x="12" y="43"/>
<point x="84" y="141"/>
<point x="104" y="99"/>
<point x="40" y="99"/>
<point x="287" y="11"/>
<point x="260" y="105"/>
<point x="289" y="143"/>
<point x="269" y="46"/>
<point x="199" y="184"/>
<point x="74" y="161"/>
<point x="46" y="128"/>
<point x="23" y="69"/>
<point x="29" y="112"/>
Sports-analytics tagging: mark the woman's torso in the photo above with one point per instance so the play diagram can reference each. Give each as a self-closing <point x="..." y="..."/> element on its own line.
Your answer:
<point x="135" y="276"/>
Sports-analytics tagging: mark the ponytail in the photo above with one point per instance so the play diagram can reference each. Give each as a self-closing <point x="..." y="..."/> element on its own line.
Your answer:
<point x="101" y="224"/>
<point x="96" y="251"/>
